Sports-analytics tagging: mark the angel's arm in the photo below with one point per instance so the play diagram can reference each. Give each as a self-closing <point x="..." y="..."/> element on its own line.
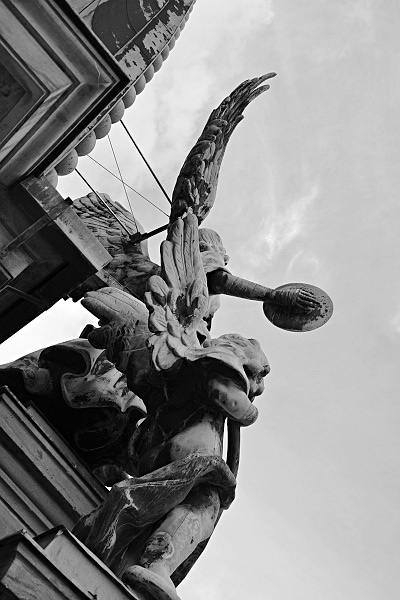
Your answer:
<point x="222" y="282"/>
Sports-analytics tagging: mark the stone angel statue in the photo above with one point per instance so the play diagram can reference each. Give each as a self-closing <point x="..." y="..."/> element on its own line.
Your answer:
<point x="152" y="359"/>
<point x="297" y="307"/>
<point x="154" y="525"/>
<point x="151" y="527"/>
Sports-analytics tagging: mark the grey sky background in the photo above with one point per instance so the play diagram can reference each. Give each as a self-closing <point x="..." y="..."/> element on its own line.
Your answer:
<point x="308" y="192"/>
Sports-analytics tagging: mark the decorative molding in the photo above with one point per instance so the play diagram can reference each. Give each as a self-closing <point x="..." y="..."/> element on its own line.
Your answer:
<point x="80" y="565"/>
<point x="45" y="252"/>
<point x="55" y="566"/>
<point x="27" y="573"/>
<point x="43" y="483"/>
<point x="57" y="80"/>
<point x="136" y="36"/>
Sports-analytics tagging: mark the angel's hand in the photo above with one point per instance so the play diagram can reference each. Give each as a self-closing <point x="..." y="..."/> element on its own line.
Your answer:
<point x="299" y="299"/>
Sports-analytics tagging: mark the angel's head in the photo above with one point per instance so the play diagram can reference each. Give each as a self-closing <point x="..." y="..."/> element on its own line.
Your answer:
<point x="209" y="240"/>
<point x="244" y="356"/>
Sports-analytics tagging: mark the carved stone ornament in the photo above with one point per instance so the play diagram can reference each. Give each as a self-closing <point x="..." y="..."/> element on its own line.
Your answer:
<point x="169" y="480"/>
<point x="58" y="78"/>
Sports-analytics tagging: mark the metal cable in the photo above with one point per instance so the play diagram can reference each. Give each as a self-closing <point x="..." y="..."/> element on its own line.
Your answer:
<point x="120" y="175"/>
<point x="146" y="162"/>
<point x="104" y="203"/>
<point x="127" y="184"/>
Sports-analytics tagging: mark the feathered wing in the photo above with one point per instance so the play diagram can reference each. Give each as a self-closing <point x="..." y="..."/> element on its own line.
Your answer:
<point x="103" y="224"/>
<point x="130" y="266"/>
<point x="177" y="299"/>
<point x="123" y="330"/>
<point x="196" y="185"/>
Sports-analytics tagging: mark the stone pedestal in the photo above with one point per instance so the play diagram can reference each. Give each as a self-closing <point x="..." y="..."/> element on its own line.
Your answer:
<point x="55" y="566"/>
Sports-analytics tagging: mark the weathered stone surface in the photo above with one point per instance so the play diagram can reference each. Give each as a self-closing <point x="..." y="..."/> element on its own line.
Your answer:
<point x="85" y="397"/>
<point x="81" y="566"/>
<point x="192" y="384"/>
<point x="26" y="573"/>
<point x="45" y="252"/>
<point x="293" y="318"/>
<point x="57" y="79"/>
<point x="154" y="524"/>
<point x="135" y="32"/>
<point x="196" y="188"/>
<point x="138" y="34"/>
<point x="55" y="566"/>
<point x="68" y="164"/>
<point x="42" y="481"/>
<point x="87" y="144"/>
<point x="11" y="92"/>
<point x="103" y="128"/>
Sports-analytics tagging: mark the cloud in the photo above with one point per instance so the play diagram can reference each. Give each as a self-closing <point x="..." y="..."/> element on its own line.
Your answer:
<point x="395" y="322"/>
<point x="241" y="18"/>
<point x="305" y="262"/>
<point x="293" y="260"/>
<point x="360" y="10"/>
<point x="283" y="226"/>
<point x="358" y="20"/>
<point x="168" y="117"/>
<point x="168" y="121"/>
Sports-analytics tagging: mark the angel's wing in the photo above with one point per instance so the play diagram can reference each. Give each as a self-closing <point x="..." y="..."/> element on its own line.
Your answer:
<point x="102" y="222"/>
<point x="196" y="185"/>
<point x="131" y="265"/>
<point x="177" y="299"/>
<point x="123" y="330"/>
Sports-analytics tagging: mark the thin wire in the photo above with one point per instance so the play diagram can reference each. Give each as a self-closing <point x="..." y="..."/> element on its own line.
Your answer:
<point x="92" y="2"/>
<point x="104" y="202"/>
<point x="127" y="185"/>
<point x="147" y="164"/>
<point x="120" y="175"/>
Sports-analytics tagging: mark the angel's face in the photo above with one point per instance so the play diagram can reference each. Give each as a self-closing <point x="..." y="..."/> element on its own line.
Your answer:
<point x="256" y="367"/>
<point x="249" y="355"/>
<point x="210" y="240"/>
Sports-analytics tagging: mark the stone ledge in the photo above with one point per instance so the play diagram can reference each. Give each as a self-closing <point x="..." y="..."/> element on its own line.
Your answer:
<point x="42" y="481"/>
<point x="55" y="566"/>
<point x="59" y="80"/>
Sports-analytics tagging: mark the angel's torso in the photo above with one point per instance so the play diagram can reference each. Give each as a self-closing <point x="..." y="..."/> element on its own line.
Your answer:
<point x="179" y="433"/>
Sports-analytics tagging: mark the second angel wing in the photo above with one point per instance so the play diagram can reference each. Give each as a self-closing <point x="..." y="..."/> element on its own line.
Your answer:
<point x="178" y="298"/>
<point x="196" y="185"/>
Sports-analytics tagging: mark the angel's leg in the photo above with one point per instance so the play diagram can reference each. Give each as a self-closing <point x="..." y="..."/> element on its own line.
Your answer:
<point x="174" y="540"/>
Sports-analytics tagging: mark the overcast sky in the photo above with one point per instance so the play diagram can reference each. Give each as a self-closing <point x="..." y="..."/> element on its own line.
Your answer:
<point x="309" y="192"/>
